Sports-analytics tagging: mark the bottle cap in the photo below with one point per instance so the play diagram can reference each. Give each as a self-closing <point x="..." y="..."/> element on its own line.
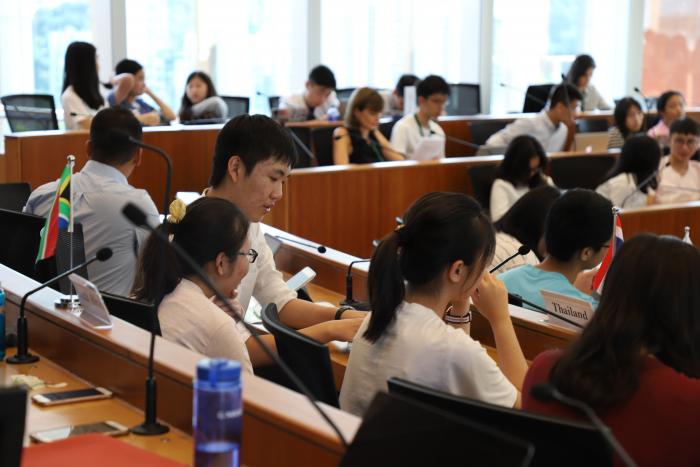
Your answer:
<point x="218" y="370"/>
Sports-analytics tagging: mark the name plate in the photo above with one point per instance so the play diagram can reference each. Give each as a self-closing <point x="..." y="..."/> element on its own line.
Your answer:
<point x="571" y="308"/>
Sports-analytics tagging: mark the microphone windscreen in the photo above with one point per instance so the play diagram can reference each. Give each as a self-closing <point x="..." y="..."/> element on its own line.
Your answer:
<point x="523" y="250"/>
<point x="135" y="215"/>
<point x="543" y="392"/>
<point x="103" y="254"/>
<point x="321" y="249"/>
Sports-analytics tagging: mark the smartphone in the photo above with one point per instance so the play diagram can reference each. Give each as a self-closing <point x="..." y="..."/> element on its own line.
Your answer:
<point x="106" y="427"/>
<point x="66" y="397"/>
<point x="301" y="279"/>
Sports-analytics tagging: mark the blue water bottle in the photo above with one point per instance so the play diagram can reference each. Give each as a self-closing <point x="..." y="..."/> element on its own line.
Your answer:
<point x="2" y="322"/>
<point x="217" y="413"/>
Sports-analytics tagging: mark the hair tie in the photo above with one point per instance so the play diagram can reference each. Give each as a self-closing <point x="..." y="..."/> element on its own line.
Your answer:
<point x="177" y="211"/>
<point x="401" y="233"/>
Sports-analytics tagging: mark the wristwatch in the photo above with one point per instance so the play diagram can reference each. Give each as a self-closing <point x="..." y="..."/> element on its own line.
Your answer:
<point x="341" y="310"/>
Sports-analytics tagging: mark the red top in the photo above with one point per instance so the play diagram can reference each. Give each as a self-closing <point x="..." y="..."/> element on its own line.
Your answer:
<point x="658" y="426"/>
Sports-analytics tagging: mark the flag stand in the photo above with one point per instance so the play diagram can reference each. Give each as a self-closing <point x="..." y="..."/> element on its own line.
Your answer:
<point x="73" y="303"/>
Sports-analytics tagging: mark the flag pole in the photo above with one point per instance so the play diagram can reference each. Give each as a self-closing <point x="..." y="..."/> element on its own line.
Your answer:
<point x="74" y="305"/>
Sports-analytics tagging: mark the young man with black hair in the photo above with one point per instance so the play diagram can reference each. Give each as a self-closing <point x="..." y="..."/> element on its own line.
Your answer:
<point x="318" y="97"/>
<point x="679" y="176"/>
<point x="252" y="159"/>
<point x="432" y="92"/>
<point x="578" y="232"/>
<point x="100" y="191"/>
<point x="553" y="127"/>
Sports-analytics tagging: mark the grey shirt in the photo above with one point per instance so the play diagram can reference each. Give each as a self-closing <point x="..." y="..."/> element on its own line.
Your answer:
<point x="99" y="193"/>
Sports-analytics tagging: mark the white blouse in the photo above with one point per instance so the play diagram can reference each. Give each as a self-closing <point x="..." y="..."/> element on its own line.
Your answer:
<point x="622" y="191"/>
<point x="73" y="103"/>
<point x="504" y="195"/>
<point x="507" y="245"/>
<point x="678" y="188"/>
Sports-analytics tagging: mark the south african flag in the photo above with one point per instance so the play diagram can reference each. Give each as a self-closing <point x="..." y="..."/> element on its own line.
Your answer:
<point x="59" y="217"/>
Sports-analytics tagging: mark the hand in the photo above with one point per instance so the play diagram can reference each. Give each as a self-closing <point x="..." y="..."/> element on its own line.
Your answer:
<point x="343" y="329"/>
<point x="491" y="299"/>
<point x="584" y="280"/>
<point x="149" y="119"/>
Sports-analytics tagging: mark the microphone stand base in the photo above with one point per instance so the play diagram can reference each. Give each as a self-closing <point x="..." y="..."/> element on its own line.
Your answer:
<point x="18" y="359"/>
<point x="150" y="429"/>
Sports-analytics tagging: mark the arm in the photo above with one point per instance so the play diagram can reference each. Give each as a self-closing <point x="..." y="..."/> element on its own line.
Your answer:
<point x="167" y="112"/>
<point x="498" y="203"/>
<point x="388" y="151"/>
<point x="122" y="86"/>
<point x="299" y="314"/>
<point x="399" y="140"/>
<point x="341" y="146"/>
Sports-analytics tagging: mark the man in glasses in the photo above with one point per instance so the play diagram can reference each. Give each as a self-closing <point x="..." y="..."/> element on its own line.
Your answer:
<point x="679" y="176"/>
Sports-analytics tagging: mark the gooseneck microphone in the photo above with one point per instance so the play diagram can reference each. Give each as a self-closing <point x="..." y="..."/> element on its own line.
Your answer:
<point x="319" y="248"/>
<point x="304" y="148"/>
<point x="23" y="356"/>
<point x="138" y="218"/>
<point x="644" y="98"/>
<point x="547" y="393"/>
<point x="644" y="183"/>
<point x="517" y="299"/>
<point x="463" y="142"/>
<point x="349" y="301"/>
<point x="522" y="251"/>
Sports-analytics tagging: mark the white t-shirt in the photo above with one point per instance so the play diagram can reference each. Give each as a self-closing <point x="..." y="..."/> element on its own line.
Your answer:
<point x="297" y="105"/>
<point x="677" y="188"/>
<point x="539" y="127"/>
<point x="504" y="195"/>
<point x="189" y="318"/>
<point x="506" y="246"/>
<point x="407" y="133"/>
<point x="622" y="188"/>
<point x="420" y="347"/>
<point x="72" y="102"/>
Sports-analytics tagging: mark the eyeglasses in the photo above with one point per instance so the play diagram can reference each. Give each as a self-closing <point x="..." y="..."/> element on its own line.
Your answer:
<point x="251" y="254"/>
<point x="687" y="142"/>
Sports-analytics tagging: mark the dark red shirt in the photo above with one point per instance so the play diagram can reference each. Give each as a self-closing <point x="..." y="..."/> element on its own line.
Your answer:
<point x="658" y="426"/>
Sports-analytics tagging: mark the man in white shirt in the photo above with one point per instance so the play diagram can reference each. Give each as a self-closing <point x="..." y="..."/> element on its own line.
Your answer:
<point x="408" y="132"/>
<point x="100" y="191"/>
<point x="318" y="97"/>
<point x="679" y="176"/>
<point x="554" y="127"/>
<point x="252" y="160"/>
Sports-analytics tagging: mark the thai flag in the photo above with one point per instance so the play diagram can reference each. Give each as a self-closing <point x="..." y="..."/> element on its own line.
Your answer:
<point x="617" y="242"/>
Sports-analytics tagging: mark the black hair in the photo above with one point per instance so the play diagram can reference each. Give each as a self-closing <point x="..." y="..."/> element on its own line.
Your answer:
<point x="577" y="219"/>
<point x="128" y="66"/>
<point x="685" y="126"/>
<point x="439" y="229"/>
<point x="186" y="104"/>
<point x="664" y="98"/>
<point x="564" y="94"/>
<point x="405" y="80"/>
<point x="322" y="76"/>
<point x="210" y="226"/>
<point x="579" y="67"/>
<point x="432" y="84"/>
<point x="525" y="220"/>
<point x="640" y="157"/>
<point x="515" y="166"/>
<point x="656" y="316"/>
<point x="253" y="138"/>
<point x="80" y="71"/>
<point x="107" y="148"/>
<point x="621" y="109"/>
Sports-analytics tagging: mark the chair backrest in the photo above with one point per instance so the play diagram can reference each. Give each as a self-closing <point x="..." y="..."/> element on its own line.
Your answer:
<point x="386" y="127"/>
<point x="536" y="97"/>
<point x="398" y="430"/>
<point x="63" y="256"/>
<point x="304" y="137"/>
<point x="556" y="441"/>
<point x="274" y="102"/>
<point x="13" y="410"/>
<point x="344" y="94"/>
<point x="323" y="145"/>
<point x="465" y="99"/>
<point x="133" y="311"/>
<point x="236" y="105"/>
<point x="30" y="112"/>
<point x="580" y="171"/>
<point x="482" y="131"/>
<point x="310" y="360"/>
<point x="14" y="196"/>
<point x="19" y="241"/>
<point x="587" y="125"/>
<point x="482" y="177"/>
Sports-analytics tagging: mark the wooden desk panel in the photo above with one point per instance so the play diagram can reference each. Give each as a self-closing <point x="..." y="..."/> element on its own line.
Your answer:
<point x="669" y="219"/>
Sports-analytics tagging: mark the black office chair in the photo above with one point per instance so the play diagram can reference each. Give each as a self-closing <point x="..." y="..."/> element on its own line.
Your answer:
<point x="580" y="171"/>
<point x="236" y="105"/>
<point x="310" y="360"/>
<point x="398" y="430"/>
<point x="465" y="99"/>
<point x="557" y="441"/>
<point x="302" y="145"/>
<point x="386" y="127"/>
<point x="323" y="145"/>
<point x="586" y="125"/>
<point x="274" y="102"/>
<point x="13" y="411"/>
<point x="19" y="242"/>
<point x="482" y="177"/>
<point x="133" y="311"/>
<point x="344" y="94"/>
<point x="536" y="97"/>
<point x="482" y="131"/>
<point x="14" y="196"/>
<point x="30" y="112"/>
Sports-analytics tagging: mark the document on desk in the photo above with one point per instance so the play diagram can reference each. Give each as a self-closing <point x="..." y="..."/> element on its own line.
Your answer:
<point x="429" y="148"/>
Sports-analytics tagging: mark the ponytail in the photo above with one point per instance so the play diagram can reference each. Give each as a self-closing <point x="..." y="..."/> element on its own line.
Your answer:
<point x="160" y="270"/>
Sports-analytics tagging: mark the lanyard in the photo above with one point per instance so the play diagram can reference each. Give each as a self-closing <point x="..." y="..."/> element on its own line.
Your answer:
<point x="420" y="127"/>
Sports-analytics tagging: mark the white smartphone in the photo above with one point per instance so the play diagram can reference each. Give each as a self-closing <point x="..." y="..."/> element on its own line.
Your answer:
<point x="107" y="427"/>
<point x="67" y="397"/>
<point x="301" y="279"/>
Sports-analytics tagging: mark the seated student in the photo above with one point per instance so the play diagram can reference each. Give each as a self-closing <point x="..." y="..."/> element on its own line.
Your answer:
<point x="637" y="363"/>
<point x="519" y="172"/>
<point x="553" y="127"/>
<point x="523" y="224"/>
<point x="200" y="100"/>
<point x="437" y="257"/>
<point x="671" y="107"/>
<point x="359" y="141"/>
<point x="215" y="233"/>
<point x="638" y="161"/>
<point x="318" y="97"/>
<point x="580" y="75"/>
<point x="394" y="102"/>
<point x="83" y="93"/>
<point x="100" y="191"/>
<point x="629" y="120"/>
<point x="578" y="232"/>
<point x="679" y="176"/>
<point x="432" y="93"/>
<point x="146" y="114"/>
<point x="253" y="156"/>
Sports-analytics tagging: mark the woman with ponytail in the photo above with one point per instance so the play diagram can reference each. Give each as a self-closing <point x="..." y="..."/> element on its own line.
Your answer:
<point x="438" y="257"/>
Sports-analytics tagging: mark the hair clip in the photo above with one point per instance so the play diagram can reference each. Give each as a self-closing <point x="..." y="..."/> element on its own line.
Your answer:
<point x="177" y="211"/>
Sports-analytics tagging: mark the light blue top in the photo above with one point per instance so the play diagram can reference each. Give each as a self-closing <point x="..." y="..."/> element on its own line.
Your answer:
<point x="527" y="281"/>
